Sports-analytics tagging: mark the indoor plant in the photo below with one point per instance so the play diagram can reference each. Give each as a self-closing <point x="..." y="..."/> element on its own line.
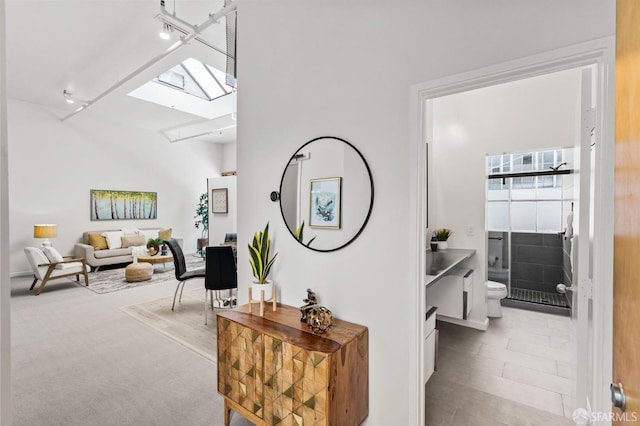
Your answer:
<point x="202" y="218"/>
<point x="154" y="245"/>
<point x="299" y="236"/>
<point x="442" y="235"/>
<point x="261" y="263"/>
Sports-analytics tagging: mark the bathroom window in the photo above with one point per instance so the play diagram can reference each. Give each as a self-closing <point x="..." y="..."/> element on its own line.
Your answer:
<point x="525" y="203"/>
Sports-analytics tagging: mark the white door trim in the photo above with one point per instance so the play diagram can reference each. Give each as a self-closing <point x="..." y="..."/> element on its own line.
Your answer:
<point x="599" y="52"/>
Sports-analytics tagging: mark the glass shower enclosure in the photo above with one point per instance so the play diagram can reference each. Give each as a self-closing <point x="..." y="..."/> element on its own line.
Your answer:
<point x="528" y="202"/>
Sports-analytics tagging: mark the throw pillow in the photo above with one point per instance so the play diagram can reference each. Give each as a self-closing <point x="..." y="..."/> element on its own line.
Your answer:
<point x="52" y="254"/>
<point x="97" y="241"/>
<point x="165" y="234"/>
<point x="132" y="240"/>
<point x="114" y="239"/>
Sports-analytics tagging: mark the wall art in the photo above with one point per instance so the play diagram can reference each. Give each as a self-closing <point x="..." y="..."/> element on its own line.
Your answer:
<point x="121" y="205"/>
<point x="325" y="203"/>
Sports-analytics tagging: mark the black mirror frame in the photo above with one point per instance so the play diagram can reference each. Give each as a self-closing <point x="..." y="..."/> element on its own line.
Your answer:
<point x="366" y="220"/>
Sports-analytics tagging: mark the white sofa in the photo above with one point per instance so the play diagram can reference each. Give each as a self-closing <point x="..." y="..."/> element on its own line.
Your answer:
<point x="111" y="256"/>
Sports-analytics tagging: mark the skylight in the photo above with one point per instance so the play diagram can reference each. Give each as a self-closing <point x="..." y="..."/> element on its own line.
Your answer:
<point x="192" y="87"/>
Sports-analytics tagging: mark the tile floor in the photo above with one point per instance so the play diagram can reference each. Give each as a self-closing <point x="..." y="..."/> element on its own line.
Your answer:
<point x="518" y="372"/>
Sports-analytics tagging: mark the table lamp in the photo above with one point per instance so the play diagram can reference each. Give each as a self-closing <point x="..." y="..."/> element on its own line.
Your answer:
<point x="45" y="231"/>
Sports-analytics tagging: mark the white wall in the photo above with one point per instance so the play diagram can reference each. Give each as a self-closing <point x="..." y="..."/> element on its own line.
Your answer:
<point x="531" y="114"/>
<point x="229" y="153"/>
<point x="5" y="290"/>
<point x="221" y="223"/>
<point x="54" y="164"/>
<point x="345" y="69"/>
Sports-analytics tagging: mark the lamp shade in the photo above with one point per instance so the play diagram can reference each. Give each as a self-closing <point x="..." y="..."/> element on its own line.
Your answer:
<point x="45" y="231"/>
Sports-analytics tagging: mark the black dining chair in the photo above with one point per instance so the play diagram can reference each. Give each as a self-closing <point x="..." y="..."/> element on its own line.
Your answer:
<point x="182" y="275"/>
<point x="220" y="274"/>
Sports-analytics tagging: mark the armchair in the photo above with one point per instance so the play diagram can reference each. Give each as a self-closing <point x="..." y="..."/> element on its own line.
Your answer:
<point x="45" y="270"/>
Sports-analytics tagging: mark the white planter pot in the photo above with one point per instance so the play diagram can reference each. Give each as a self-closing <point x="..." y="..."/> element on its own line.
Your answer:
<point x="443" y="245"/>
<point x="266" y="287"/>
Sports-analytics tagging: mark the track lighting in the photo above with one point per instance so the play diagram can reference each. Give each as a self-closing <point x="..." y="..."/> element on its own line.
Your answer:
<point x="165" y="34"/>
<point x="68" y="97"/>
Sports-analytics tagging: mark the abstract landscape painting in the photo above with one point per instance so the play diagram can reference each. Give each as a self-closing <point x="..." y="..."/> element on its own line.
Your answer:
<point x="118" y="205"/>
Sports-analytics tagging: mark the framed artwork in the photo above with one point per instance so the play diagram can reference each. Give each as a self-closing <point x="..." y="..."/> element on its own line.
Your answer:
<point x="325" y="201"/>
<point x="219" y="200"/>
<point x="119" y="205"/>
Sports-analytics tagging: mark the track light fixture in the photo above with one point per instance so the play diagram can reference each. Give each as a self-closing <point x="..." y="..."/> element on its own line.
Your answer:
<point x="165" y="34"/>
<point x="68" y="96"/>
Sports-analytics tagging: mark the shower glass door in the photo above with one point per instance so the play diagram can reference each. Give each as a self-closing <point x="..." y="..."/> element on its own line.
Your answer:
<point x="526" y="204"/>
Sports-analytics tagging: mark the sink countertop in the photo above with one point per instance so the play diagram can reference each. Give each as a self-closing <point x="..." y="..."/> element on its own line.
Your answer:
<point x="440" y="262"/>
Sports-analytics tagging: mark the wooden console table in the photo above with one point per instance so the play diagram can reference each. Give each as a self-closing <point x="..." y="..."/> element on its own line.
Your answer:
<point x="274" y="371"/>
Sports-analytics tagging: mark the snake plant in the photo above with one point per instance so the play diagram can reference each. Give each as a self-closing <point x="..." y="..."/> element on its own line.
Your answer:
<point x="299" y="236"/>
<point x="259" y="255"/>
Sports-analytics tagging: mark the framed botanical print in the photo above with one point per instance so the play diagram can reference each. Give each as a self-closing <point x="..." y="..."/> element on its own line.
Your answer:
<point x="219" y="201"/>
<point x="324" y="211"/>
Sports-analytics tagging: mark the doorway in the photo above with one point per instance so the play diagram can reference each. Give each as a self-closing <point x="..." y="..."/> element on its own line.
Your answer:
<point x="598" y="53"/>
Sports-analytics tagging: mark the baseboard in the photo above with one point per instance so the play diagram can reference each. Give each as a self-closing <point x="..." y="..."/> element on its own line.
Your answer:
<point x="21" y="274"/>
<point x="478" y="325"/>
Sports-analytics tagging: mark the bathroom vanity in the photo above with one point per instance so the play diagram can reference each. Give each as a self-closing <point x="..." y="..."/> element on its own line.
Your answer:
<point x="448" y="294"/>
<point x="439" y="263"/>
<point x="449" y="286"/>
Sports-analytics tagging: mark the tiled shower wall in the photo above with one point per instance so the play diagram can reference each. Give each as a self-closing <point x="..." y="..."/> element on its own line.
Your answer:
<point x="538" y="261"/>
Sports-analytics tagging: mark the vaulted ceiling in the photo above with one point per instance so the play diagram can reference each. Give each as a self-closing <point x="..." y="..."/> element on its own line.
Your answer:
<point x="101" y="50"/>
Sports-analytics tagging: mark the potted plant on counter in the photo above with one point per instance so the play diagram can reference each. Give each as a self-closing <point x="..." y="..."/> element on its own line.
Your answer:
<point x="261" y="263"/>
<point x="442" y="235"/>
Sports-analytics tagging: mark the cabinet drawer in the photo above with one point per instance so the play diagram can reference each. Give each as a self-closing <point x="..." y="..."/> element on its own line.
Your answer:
<point x="430" y="321"/>
<point x="429" y="355"/>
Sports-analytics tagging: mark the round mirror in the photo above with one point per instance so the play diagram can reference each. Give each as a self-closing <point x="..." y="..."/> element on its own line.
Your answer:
<point x="326" y="194"/>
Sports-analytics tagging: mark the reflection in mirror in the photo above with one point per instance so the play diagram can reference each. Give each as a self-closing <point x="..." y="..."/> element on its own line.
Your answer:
<point x="326" y="194"/>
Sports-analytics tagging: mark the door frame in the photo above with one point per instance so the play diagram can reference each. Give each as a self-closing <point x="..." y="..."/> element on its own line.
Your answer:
<point x="601" y="54"/>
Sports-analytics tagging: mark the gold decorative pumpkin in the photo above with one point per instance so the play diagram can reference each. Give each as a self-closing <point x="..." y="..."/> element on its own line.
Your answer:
<point x="319" y="319"/>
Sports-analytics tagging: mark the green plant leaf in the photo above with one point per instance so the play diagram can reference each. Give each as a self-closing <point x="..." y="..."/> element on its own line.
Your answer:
<point x="256" y="262"/>
<point x="310" y="241"/>
<point x="299" y="231"/>
<point x="267" y="269"/>
<point x="442" y="234"/>
<point x="259" y="250"/>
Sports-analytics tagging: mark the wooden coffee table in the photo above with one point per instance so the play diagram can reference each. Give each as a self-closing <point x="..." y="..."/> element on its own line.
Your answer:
<point x="158" y="258"/>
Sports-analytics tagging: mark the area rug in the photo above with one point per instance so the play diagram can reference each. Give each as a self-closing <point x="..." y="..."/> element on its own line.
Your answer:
<point x="185" y="324"/>
<point x="110" y="280"/>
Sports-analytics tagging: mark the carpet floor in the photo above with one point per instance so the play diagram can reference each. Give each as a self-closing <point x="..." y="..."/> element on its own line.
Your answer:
<point x="185" y="324"/>
<point x="78" y="359"/>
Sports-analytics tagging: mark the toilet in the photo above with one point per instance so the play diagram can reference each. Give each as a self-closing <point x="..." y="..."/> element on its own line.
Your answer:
<point x="495" y="293"/>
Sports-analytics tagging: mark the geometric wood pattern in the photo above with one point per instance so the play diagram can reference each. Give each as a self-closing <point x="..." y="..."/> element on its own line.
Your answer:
<point x="274" y="371"/>
<point x="242" y="361"/>
<point x="296" y="384"/>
